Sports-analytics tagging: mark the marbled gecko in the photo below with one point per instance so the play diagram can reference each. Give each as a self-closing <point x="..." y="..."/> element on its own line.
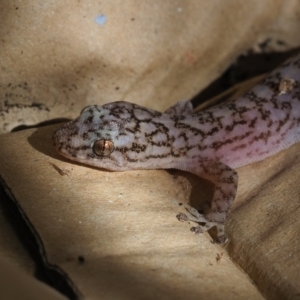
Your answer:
<point x="123" y="136"/>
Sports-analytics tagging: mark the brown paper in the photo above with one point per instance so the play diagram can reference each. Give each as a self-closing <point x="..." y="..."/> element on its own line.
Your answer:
<point x="115" y="234"/>
<point x="58" y="57"/>
<point x="15" y="284"/>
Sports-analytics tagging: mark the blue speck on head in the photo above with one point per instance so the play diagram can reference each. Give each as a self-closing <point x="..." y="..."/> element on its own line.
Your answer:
<point x="101" y="19"/>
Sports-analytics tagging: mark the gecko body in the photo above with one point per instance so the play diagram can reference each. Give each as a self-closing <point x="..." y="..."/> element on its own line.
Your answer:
<point x="123" y="136"/>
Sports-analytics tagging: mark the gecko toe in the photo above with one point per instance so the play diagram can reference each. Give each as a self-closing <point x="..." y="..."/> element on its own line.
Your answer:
<point x="197" y="229"/>
<point x="182" y="217"/>
<point x="221" y="239"/>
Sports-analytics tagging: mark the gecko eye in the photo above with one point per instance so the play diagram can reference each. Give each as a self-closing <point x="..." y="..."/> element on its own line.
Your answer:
<point x="103" y="147"/>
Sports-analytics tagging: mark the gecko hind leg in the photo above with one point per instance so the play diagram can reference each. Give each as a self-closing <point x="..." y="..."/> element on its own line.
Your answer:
<point x="196" y="217"/>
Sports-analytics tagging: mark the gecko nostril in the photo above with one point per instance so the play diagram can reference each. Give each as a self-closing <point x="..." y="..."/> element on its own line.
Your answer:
<point x="103" y="147"/>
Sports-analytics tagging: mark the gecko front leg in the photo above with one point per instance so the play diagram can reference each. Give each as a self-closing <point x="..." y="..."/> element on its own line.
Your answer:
<point x="181" y="108"/>
<point x="226" y="181"/>
<point x="224" y="178"/>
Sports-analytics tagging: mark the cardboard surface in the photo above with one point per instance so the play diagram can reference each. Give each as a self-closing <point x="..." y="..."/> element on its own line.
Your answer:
<point x="264" y="225"/>
<point x="116" y="234"/>
<point x="15" y="284"/>
<point x="60" y="56"/>
<point x="11" y="247"/>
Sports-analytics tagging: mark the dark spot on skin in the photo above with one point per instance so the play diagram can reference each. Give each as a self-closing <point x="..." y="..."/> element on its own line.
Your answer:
<point x="85" y="136"/>
<point x="138" y="148"/>
<point x="89" y="119"/>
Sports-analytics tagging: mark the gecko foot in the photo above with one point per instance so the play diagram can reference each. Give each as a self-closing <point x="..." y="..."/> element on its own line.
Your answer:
<point x="196" y="217"/>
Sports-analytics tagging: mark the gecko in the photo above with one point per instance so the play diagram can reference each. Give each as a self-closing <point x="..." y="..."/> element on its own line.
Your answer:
<point x="211" y="144"/>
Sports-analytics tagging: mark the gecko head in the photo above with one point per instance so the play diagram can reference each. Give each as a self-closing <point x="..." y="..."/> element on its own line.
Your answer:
<point x="102" y="135"/>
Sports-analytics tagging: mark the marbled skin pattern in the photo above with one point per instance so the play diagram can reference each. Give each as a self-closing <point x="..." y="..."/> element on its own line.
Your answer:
<point x="210" y="144"/>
